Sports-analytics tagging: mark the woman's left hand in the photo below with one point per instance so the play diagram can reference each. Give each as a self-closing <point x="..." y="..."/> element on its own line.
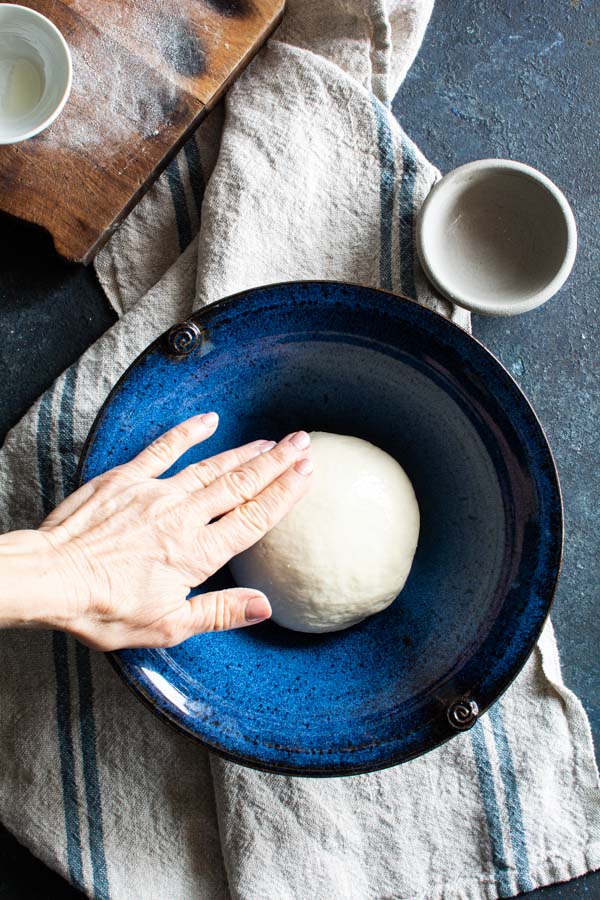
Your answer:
<point x="115" y="562"/>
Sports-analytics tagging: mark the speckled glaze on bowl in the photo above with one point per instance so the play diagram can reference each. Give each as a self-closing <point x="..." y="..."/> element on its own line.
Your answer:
<point x="341" y="358"/>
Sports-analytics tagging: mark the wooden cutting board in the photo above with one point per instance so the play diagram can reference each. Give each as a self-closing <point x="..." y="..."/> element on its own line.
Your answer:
<point x="145" y="73"/>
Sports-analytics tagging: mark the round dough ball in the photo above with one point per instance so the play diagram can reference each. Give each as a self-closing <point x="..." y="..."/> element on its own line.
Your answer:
<point x="345" y="550"/>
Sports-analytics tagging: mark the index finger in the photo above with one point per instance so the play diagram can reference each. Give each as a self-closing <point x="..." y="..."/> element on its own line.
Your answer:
<point x="160" y="455"/>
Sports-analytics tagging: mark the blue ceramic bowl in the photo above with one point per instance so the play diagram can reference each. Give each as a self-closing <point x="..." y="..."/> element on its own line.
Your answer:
<point x="341" y="358"/>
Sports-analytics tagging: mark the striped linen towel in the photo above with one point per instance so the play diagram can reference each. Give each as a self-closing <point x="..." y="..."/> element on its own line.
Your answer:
<point x="302" y="173"/>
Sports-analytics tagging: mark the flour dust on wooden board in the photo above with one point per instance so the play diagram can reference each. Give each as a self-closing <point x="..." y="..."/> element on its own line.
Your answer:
<point x="137" y="95"/>
<point x="166" y="36"/>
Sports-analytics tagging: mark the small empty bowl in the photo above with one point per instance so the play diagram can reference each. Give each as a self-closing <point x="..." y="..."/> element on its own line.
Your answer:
<point x="497" y="237"/>
<point x="35" y="73"/>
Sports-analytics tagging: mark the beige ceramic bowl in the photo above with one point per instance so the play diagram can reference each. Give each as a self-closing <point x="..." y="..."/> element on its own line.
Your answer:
<point x="497" y="237"/>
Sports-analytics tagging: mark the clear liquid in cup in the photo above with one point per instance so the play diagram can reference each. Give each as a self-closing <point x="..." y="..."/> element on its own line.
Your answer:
<point x="22" y="78"/>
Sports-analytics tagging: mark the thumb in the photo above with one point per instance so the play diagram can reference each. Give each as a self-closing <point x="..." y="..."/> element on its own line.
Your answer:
<point x="222" y="610"/>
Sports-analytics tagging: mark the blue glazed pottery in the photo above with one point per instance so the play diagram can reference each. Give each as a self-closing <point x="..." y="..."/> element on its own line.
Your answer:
<point x="334" y="357"/>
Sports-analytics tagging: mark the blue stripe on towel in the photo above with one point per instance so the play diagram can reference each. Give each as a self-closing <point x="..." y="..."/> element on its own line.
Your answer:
<point x="182" y="215"/>
<point x="44" y="459"/>
<point x="190" y="148"/>
<point x="66" y="449"/>
<point x="513" y="801"/>
<point x="87" y="725"/>
<point x="67" y="760"/>
<point x="492" y="811"/>
<point x="90" y="772"/>
<point x="406" y="216"/>
<point x="61" y="663"/>
<point x="386" y="188"/>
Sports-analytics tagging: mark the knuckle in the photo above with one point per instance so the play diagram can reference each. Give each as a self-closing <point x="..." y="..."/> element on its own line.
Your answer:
<point x="169" y="634"/>
<point x="204" y="473"/>
<point x="241" y="483"/>
<point x="160" y="509"/>
<point x="221" y="612"/>
<point x="161" y="448"/>
<point x="280" y="493"/>
<point x="185" y="430"/>
<point x="170" y="547"/>
<point x="283" y="453"/>
<point x="113" y="478"/>
<point x="180" y="434"/>
<point x="255" y="515"/>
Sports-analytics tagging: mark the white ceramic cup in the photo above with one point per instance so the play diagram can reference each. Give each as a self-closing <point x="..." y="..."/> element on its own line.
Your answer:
<point x="35" y="73"/>
<point x="497" y="237"/>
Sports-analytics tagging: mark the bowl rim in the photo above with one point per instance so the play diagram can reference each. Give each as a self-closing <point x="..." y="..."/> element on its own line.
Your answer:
<point x="475" y="304"/>
<point x="233" y="301"/>
<point x="49" y="25"/>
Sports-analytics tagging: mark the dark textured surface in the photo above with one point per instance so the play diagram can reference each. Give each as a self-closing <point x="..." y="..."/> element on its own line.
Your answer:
<point x="50" y="312"/>
<point x="519" y="80"/>
<point x="504" y="78"/>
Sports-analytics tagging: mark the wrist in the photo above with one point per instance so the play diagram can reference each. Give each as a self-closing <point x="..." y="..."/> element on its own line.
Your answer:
<point x="35" y="588"/>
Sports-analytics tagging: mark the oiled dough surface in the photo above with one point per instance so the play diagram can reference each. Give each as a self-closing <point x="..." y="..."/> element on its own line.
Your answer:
<point x="345" y="550"/>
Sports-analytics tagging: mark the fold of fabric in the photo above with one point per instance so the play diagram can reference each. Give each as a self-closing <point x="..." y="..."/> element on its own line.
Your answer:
<point x="301" y="173"/>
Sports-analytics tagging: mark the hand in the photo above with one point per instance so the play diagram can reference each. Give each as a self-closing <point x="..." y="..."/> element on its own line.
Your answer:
<point x="125" y="549"/>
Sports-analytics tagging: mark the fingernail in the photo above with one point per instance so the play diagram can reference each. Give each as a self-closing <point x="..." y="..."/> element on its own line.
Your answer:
<point x="257" y="609"/>
<point x="265" y="446"/>
<point x="210" y="418"/>
<point x="304" y="467"/>
<point x="300" y="440"/>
